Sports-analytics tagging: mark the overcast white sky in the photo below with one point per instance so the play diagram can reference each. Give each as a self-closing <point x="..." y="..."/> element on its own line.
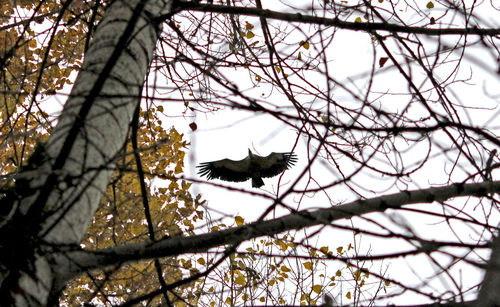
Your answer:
<point x="228" y="134"/>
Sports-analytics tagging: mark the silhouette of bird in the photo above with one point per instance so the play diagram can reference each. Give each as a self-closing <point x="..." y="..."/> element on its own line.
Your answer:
<point x="253" y="166"/>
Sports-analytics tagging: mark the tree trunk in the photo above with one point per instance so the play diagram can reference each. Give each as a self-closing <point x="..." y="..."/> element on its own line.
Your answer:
<point x="489" y="295"/>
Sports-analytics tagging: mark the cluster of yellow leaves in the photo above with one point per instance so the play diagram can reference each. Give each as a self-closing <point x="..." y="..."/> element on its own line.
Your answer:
<point x="121" y="218"/>
<point x="248" y="27"/>
<point x="17" y="145"/>
<point x="255" y="277"/>
<point x="23" y="48"/>
<point x="169" y="203"/>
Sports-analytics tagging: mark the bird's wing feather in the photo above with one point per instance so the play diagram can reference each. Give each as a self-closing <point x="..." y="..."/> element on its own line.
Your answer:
<point x="275" y="163"/>
<point x="225" y="169"/>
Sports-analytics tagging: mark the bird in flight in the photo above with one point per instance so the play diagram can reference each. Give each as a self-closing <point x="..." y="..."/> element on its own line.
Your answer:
<point x="253" y="166"/>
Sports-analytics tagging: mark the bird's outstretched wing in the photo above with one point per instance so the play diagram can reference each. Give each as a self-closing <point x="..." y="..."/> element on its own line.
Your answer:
<point x="275" y="163"/>
<point x="226" y="169"/>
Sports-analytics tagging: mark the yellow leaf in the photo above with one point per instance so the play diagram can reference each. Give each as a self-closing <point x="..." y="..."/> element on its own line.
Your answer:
<point x="32" y="44"/>
<point x="324" y="249"/>
<point x="300" y="56"/>
<point x="387" y="283"/>
<point x="277" y="69"/>
<point x="430" y="5"/>
<point x="258" y="78"/>
<point x="240" y="280"/>
<point x="358" y="19"/>
<point x="201" y="261"/>
<point x="357" y="275"/>
<point x="284" y="247"/>
<point x="188" y="223"/>
<point x="304" y="44"/>
<point x="250" y="34"/>
<point x="186" y="264"/>
<point x="272" y="282"/>
<point x="308" y="265"/>
<point x="348" y="295"/>
<point x="262" y="299"/>
<point x="338" y="273"/>
<point x="339" y="249"/>
<point x="239" y="220"/>
<point x="317" y="289"/>
<point x="248" y="25"/>
<point x="285" y="268"/>
<point x="160" y="108"/>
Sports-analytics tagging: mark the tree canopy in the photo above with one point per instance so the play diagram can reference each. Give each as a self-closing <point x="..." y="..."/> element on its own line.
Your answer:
<point x="390" y="107"/>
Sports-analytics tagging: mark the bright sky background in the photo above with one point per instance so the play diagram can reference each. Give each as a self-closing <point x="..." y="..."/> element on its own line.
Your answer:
<point x="228" y="134"/>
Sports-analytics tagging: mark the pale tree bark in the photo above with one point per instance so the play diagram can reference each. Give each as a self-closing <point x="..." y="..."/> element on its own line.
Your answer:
<point x="489" y="295"/>
<point x="78" y="158"/>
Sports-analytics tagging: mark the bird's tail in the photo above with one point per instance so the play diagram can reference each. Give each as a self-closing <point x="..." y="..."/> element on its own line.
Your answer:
<point x="257" y="182"/>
